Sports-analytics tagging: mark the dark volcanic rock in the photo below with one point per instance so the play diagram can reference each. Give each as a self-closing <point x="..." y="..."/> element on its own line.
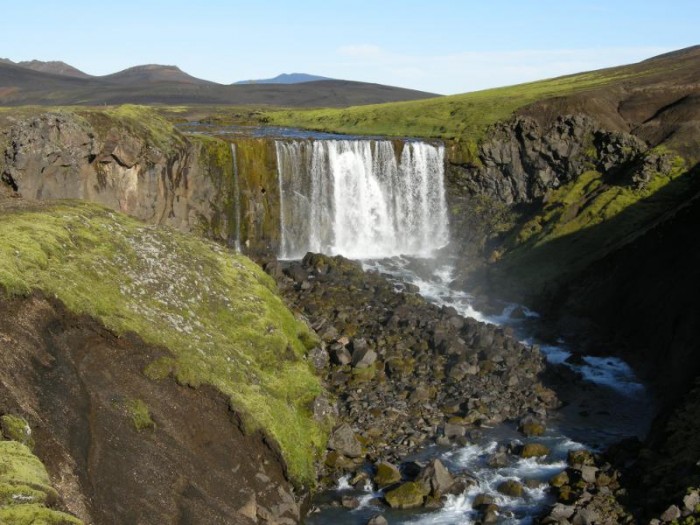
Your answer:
<point x="397" y="387"/>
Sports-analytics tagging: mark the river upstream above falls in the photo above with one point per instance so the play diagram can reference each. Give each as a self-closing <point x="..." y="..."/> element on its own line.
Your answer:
<point x="371" y="200"/>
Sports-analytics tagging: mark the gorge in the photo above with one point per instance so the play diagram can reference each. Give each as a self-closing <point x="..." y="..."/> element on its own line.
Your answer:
<point x="581" y="213"/>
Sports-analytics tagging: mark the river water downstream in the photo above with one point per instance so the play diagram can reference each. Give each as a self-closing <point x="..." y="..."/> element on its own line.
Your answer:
<point x="605" y="404"/>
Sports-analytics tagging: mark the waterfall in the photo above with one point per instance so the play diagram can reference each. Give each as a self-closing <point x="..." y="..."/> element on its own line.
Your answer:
<point x="237" y="198"/>
<point x="356" y="198"/>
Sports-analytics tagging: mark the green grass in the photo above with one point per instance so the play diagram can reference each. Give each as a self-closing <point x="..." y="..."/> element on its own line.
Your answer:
<point x="140" y="415"/>
<point x="215" y="310"/>
<point x="26" y="490"/>
<point x="582" y="221"/>
<point x="17" y="429"/>
<point x="465" y="116"/>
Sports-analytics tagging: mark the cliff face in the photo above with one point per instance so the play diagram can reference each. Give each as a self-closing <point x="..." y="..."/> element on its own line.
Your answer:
<point x="593" y="222"/>
<point x="120" y="447"/>
<point x="129" y="160"/>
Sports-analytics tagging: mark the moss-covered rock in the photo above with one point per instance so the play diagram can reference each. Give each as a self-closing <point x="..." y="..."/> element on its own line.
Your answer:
<point x="17" y="429"/>
<point x="534" y="450"/>
<point x="409" y="495"/>
<point x="387" y="474"/>
<point x="511" y="488"/>
<point x="34" y="514"/>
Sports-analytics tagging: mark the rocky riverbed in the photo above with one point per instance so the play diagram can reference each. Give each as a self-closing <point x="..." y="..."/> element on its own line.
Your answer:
<point x="408" y="374"/>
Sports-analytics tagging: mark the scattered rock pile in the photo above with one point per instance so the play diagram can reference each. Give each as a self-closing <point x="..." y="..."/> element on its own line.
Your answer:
<point x="405" y="371"/>
<point x="587" y="493"/>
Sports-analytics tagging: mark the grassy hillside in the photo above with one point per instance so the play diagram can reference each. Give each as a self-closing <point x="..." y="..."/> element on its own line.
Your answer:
<point x="215" y="310"/>
<point x="468" y="115"/>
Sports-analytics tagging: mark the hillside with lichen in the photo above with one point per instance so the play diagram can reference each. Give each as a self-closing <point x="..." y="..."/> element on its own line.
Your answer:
<point x="215" y="311"/>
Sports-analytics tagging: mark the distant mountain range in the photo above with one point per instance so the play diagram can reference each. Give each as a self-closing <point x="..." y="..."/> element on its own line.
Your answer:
<point x="58" y="83"/>
<point x="286" y="78"/>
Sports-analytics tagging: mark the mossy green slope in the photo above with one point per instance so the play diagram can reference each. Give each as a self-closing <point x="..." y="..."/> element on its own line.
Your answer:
<point x="467" y="115"/>
<point x="215" y="310"/>
<point x="25" y="489"/>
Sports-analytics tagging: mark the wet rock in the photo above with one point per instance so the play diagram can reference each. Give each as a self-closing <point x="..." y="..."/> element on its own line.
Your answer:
<point x="436" y="478"/>
<point x="344" y="441"/>
<point x="490" y="514"/>
<point x="350" y="502"/>
<point x="588" y="473"/>
<point x="577" y="458"/>
<point x="452" y="431"/>
<point x="378" y="520"/>
<point x="511" y="488"/>
<point x="559" y="480"/>
<point x="410" y="495"/>
<point x="387" y="474"/>
<point x="691" y="501"/>
<point x="530" y="427"/>
<point x="483" y="500"/>
<point x="671" y="513"/>
<point x="534" y="450"/>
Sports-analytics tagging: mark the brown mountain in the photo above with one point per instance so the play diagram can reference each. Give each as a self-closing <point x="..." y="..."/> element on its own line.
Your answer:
<point x="157" y="84"/>
<point x="153" y="73"/>
<point x="54" y="66"/>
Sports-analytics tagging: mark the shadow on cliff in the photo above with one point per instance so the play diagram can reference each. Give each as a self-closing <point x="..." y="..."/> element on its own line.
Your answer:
<point x="628" y="286"/>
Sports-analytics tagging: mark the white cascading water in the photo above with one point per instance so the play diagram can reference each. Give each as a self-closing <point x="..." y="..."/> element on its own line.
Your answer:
<point x="355" y="198"/>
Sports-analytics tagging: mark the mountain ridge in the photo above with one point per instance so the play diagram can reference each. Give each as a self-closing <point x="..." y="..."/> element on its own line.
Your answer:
<point x="286" y="78"/>
<point x="167" y="84"/>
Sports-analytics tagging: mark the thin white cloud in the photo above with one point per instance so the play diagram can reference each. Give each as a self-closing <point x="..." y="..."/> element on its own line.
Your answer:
<point x="474" y="70"/>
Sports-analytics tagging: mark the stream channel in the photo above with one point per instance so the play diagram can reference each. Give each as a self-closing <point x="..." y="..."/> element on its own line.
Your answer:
<point x="372" y="200"/>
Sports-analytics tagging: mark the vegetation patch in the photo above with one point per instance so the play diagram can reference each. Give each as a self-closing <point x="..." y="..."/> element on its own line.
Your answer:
<point x="465" y="117"/>
<point x="16" y="428"/>
<point x="214" y="309"/>
<point x="585" y="219"/>
<point x="25" y="489"/>
<point x="140" y="415"/>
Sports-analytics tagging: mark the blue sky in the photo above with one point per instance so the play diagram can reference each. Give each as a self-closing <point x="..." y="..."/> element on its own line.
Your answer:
<point x="434" y="45"/>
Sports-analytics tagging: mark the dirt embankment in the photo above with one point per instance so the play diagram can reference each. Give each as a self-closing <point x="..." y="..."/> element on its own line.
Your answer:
<point x="121" y="448"/>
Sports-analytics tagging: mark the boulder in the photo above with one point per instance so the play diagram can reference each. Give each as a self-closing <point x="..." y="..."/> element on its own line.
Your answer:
<point x="319" y="358"/>
<point x="588" y="473"/>
<point x="349" y="502"/>
<point x="534" y="450"/>
<point x="341" y="356"/>
<point x="511" y="488"/>
<point x="410" y="495"/>
<point x="559" y="480"/>
<point x="363" y="358"/>
<point x="378" y="520"/>
<point x="530" y="427"/>
<point x="453" y="431"/>
<point x="671" y="513"/>
<point x="387" y="474"/>
<point x="436" y="478"/>
<point x="344" y="441"/>
<point x="691" y="500"/>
